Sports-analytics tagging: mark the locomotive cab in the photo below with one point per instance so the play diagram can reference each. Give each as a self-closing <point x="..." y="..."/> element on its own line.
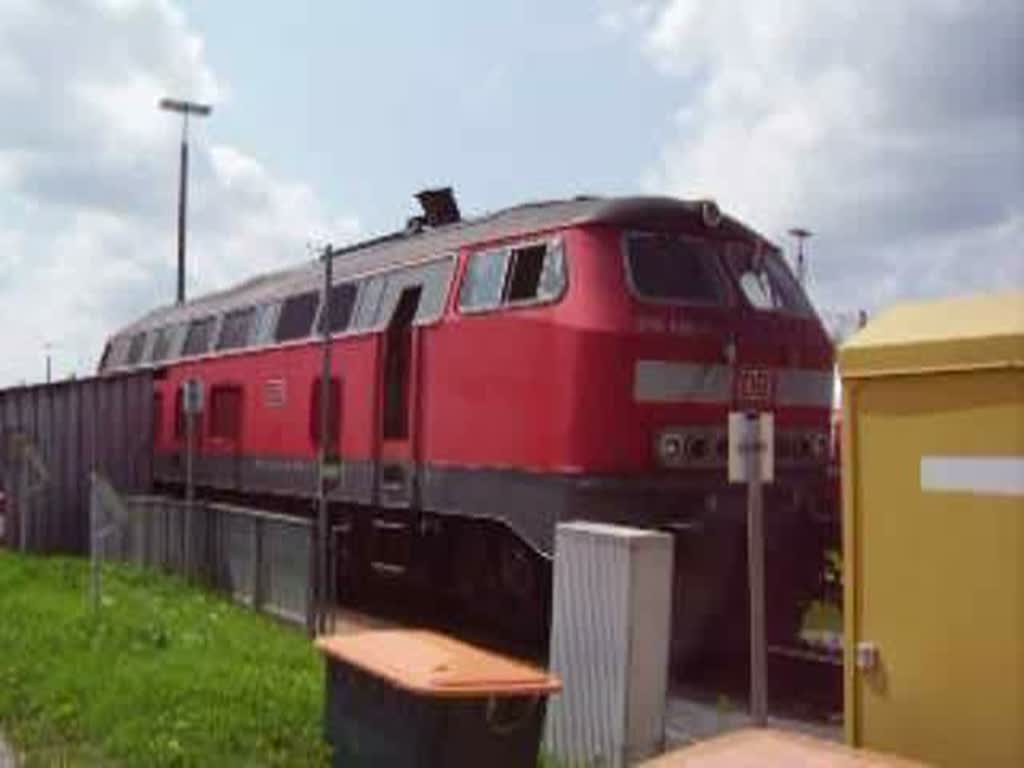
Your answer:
<point x="693" y="321"/>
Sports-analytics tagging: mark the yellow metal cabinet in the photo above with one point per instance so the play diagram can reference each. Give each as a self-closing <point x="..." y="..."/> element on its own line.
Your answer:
<point x="933" y="531"/>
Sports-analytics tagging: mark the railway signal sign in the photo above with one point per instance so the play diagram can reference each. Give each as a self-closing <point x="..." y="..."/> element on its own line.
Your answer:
<point x="192" y="396"/>
<point x="751" y="432"/>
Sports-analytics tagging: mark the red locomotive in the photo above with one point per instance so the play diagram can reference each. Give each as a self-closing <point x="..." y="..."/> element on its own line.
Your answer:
<point x="491" y="377"/>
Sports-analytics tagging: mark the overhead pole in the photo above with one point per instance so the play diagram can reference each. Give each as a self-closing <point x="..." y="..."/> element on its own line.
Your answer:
<point x="322" y="548"/>
<point x="801" y="265"/>
<point x="184" y="108"/>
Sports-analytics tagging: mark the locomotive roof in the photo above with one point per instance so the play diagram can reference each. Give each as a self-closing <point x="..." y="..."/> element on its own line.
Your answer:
<point x="412" y="246"/>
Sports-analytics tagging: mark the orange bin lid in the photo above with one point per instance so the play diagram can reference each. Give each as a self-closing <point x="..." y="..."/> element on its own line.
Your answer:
<point x="767" y="748"/>
<point x="435" y="665"/>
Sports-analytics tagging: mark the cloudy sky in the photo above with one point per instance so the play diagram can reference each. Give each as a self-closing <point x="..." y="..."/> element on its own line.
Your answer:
<point x="894" y="130"/>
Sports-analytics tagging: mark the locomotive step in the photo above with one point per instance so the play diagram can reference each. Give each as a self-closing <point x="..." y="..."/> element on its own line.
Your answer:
<point x="388" y="569"/>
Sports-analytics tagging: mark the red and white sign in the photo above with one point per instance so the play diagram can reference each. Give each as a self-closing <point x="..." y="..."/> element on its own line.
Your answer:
<point x="754" y="385"/>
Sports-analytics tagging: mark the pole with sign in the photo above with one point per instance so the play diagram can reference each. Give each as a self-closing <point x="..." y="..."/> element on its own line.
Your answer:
<point x="751" y="461"/>
<point x="192" y="407"/>
<point x="322" y="549"/>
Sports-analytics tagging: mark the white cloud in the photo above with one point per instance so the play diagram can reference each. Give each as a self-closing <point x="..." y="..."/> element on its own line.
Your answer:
<point x="88" y="180"/>
<point x="894" y="130"/>
<point x="618" y="17"/>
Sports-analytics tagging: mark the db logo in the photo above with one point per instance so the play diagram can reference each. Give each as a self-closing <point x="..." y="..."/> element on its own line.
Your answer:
<point x="754" y="384"/>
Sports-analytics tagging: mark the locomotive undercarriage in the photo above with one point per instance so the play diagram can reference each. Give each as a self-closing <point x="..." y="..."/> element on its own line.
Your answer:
<point x="473" y="575"/>
<point x="483" y="577"/>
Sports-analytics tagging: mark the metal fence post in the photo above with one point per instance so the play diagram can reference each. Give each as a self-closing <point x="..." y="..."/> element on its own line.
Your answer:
<point x="258" y="586"/>
<point x="21" y="500"/>
<point x="189" y="493"/>
<point x="94" y="554"/>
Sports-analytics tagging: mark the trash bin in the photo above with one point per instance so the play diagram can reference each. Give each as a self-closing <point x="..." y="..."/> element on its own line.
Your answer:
<point x="419" y="698"/>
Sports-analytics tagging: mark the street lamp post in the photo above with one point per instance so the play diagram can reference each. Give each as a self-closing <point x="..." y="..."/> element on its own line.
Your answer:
<point x="801" y="266"/>
<point x="184" y="108"/>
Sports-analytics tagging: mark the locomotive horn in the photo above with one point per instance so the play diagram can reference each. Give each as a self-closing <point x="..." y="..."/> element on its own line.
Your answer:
<point x="710" y="213"/>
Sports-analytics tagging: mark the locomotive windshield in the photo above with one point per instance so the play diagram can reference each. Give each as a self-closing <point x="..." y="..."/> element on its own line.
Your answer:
<point x="665" y="267"/>
<point x="765" y="280"/>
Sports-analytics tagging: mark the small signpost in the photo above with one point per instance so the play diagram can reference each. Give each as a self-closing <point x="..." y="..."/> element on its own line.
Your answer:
<point x="28" y="476"/>
<point x="751" y="461"/>
<point x="192" y="402"/>
<point x="107" y="515"/>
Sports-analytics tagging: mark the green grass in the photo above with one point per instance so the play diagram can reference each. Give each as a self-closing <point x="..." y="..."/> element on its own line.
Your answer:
<point x="166" y="675"/>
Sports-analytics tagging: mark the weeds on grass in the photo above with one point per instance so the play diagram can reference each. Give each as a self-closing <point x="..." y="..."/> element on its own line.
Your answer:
<point x="165" y="675"/>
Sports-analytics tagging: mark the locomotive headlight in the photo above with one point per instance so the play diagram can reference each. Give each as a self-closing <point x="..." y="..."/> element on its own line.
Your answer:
<point x="670" y="449"/>
<point x="691" y="447"/>
<point x="819" y="445"/>
<point x="697" y="448"/>
<point x="804" y="443"/>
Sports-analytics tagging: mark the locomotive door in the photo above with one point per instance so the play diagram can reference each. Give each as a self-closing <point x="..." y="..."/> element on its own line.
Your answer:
<point x="222" y="459"/>
<point x="398" y="396"/>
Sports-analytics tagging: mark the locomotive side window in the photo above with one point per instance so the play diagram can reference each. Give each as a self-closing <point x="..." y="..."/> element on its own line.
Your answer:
<point x="431" y="280"/>
<point x="537" y="273"/>
<point x="395" y="283"/>
<point x="162" y="344"/>
<point x="197" y="342"/>
<point x="105" y="357"/>
<point x="135" y="348"/>
<point x="528" y="274"/>
<point x="435" y="278"/>
<point x="168" y="343"/>
<point x="118" y="352"/>
<point x="296" y="319"/>
<point x="483" y="280"/>
<point x="176" y="334"/>
<point x="263" y="324"/>
<point x="524" y="276"/>
<point x="672" y="268"/>
<point x="234" y="331"/>
<point x="226" y="412"/>
<point x="369" y="303"/>
<point x="343" y="301"/>
<point x="151" y="339"/>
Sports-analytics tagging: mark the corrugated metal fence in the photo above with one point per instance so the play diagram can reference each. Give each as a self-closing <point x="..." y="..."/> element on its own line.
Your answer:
<point x="261" y="559"/>
<point x="52" y="436"/>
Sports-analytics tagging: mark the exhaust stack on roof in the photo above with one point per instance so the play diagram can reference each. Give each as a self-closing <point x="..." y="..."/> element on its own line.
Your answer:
<point x="439" y="206"/>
